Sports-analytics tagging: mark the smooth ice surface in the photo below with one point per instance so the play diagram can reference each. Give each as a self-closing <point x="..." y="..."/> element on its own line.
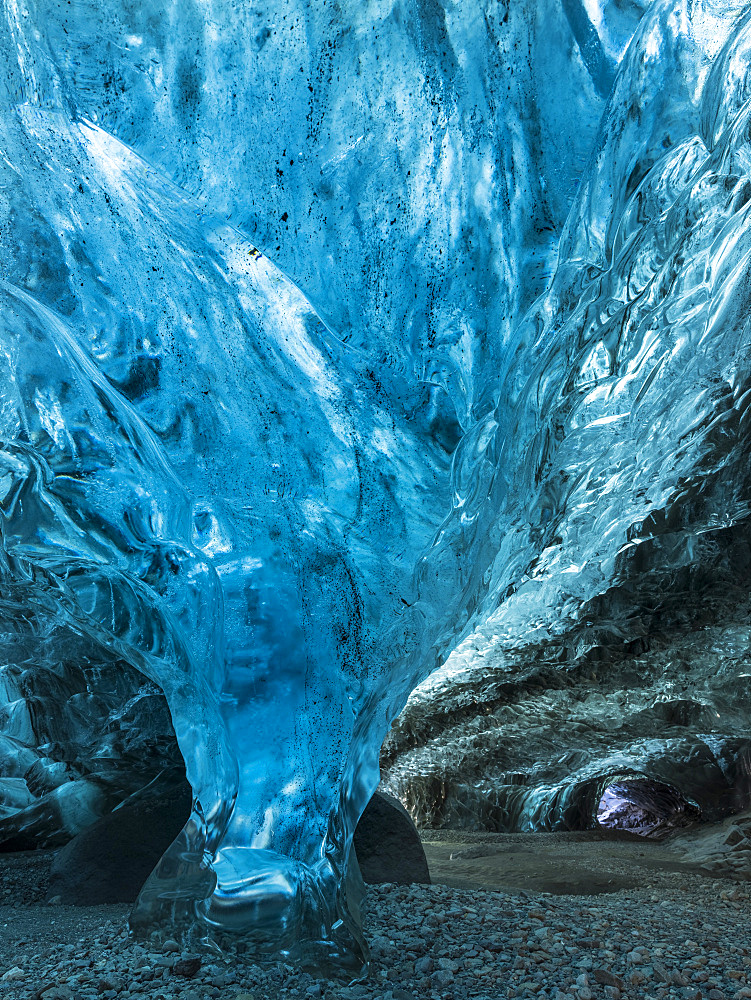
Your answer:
<point x="233" y="475"/>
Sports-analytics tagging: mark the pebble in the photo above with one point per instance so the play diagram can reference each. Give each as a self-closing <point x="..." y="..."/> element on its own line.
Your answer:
<point x="436" y="943"/>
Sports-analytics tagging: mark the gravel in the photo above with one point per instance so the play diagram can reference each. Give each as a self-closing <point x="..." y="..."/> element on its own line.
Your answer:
<point x="689" y="941"/>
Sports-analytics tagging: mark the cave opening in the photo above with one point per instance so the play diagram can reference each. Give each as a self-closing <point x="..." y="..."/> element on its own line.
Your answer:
<point x="644" y="806"/>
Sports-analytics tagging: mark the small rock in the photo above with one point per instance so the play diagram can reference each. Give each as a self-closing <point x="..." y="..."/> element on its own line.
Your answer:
<point x="636" y="958"/>
<point x="13" y="974"/>
<point x="108" y="984"/>
<point x="606" y="978"/>
<point x="442" y="978"/>
<point x="187" y="967"/>
<point x="448" y="963"/>
<point x="661" y="974"/>
<point x="170" y="945"/>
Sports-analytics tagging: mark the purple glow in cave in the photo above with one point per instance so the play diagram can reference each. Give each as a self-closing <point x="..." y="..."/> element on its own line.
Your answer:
<point x="643" y="806"/>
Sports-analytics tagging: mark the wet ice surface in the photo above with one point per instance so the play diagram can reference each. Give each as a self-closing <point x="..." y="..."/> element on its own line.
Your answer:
<point x="239" y="479"/>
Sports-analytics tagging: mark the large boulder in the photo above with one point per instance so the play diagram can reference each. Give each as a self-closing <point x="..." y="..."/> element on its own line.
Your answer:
<point x="387" y="844"/>
<point x="109" y="861"/>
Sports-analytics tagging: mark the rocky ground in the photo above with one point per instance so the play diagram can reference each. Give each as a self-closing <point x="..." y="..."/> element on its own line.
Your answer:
<point x="574" y="916"/>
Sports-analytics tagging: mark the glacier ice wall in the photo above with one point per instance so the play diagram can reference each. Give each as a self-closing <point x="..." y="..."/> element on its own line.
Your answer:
<point x="621" y="435"/>
<point x="223" y="472"/>
<point x="617" y="462"/>
<point x="408" y="164"/>
<point x="208" y="480"/>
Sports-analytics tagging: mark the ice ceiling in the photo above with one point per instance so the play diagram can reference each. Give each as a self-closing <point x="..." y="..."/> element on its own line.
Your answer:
<point x="331" y="335"/>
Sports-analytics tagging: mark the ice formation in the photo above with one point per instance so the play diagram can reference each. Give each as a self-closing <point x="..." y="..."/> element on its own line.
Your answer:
<point x="230" y="477"/>
<point x="611" y="499"/>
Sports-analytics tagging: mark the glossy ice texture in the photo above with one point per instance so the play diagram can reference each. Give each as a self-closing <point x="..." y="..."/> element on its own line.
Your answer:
<point x="606" y="499"/>
<point x="232" y="477"/>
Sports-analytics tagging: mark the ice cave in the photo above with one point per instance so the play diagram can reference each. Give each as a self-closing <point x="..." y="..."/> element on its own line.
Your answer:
<point x="375" y="413"/>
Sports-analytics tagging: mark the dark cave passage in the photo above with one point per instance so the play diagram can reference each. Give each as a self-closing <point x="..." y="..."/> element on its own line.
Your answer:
<point x="644" y="806"/>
